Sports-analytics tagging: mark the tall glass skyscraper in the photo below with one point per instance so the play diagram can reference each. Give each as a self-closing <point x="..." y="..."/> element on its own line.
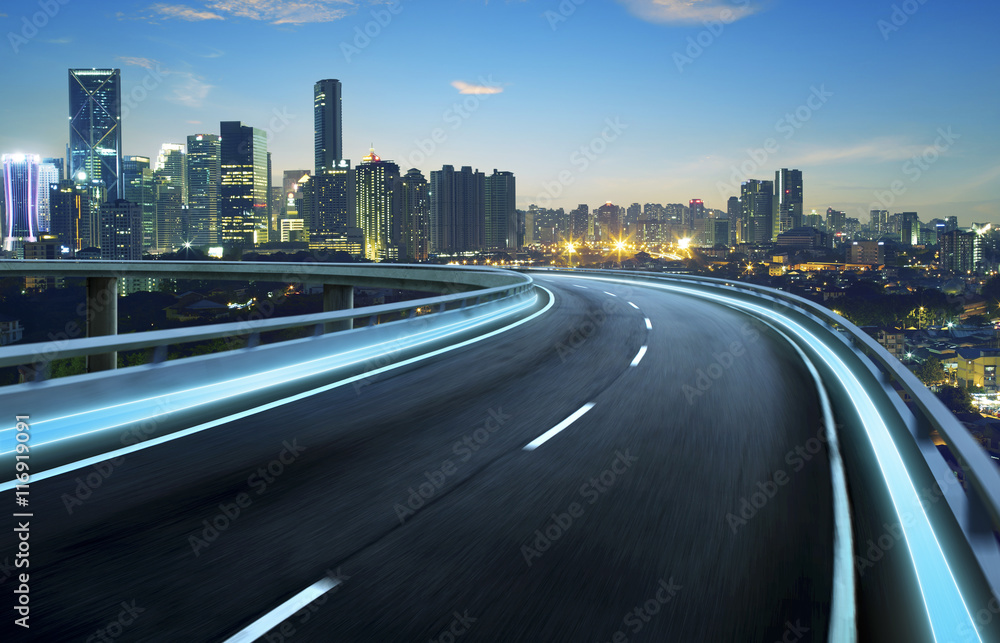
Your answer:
<point x="20" y="183"/>
<point x="50" y="173"/>
<point x="243" y="197"/>
<point x="329" y="124"/>
<point x="203" y="176"/>
<point x="756" y="198"/>
<point x="139" y="187"/>
<point x="95" y="136"/>
<point x="787" y="201"/>
<point x="375" y="180"/>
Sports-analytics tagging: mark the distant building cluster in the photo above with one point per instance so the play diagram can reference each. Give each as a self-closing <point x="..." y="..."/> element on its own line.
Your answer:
<point x="214" y="192"/>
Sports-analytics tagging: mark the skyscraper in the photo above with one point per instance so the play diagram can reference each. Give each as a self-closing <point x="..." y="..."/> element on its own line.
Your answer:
<point x="95" y="137"/>
<point x="458" y="209"/>
<point x="374" y="180"/>
<point x="121" y="231"/>
<point x="20" y="182"/>
<point x="608" y="228"/>
<point x="578" y="222"/>
<point x="243" y="217"/>
<point x="69" y="207"/>
<point x="171" y="163"/>
<point x="329" y="200"/>
<point x="49" y="172"/>
<point x="139" y="187"/>
<point x="501" y="212"/>
<point x="756" y="198"/>
<point x="787" y="201"/>
<point x="203" y="177"/>
<point x="735" y="213"/>
<point x="328" y="119"/>
<point x="414" y="210"/>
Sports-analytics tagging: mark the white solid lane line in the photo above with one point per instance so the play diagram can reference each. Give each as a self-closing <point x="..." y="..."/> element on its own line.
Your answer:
<point x="639" y="355"/>
<point x="633" y="305"/>
<point x="279" y="614"/>
<point x="545" y="437"/>
<point x="649" y="324"/>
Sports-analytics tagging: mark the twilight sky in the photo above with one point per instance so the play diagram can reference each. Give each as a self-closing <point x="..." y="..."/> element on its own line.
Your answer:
<point x="585" y="101"/>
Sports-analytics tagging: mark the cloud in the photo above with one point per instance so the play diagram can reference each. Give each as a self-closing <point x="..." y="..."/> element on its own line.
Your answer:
<point x="183" y="12"/>
<point x="138" y="62"/>
<point x="286" y="12"/>
<point x="59" y="41"/>
<point x="667" y="11"/>
<point x="194" y="122"/>
<point x="190" y="89"/>
<point x="186" y="87"/>
<point x="468" y="88"/>
<point x="278" y="12"/>
<point x="879" y="150"/>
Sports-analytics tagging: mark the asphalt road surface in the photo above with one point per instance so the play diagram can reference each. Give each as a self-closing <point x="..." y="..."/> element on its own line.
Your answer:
<point x="690" y="502"/>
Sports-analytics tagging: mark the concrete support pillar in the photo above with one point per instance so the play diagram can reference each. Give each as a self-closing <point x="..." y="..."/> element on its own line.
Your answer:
<point x="102" y="319"/>
<point x="337" y="297"/>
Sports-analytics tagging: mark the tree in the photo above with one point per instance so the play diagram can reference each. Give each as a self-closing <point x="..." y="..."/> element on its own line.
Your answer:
<point x="931" y="372"/>
<point x="956" y="399"/>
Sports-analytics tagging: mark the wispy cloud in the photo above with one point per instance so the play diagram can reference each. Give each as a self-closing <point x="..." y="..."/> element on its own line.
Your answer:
<point x="470" y="88"/>
<point x="667" y="11"/>
<point x="278" y="12"/>
<point x="186" y="87"/>
<point x="58" y="41"/>
<point x="880" y="150"/>
<point x="287" y="12"/>
<point x="189" y="89"/>
<point x="183" y="12"/>
<point x="138" y="62"/>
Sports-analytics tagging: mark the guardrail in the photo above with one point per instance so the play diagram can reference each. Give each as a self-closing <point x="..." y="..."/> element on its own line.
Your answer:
<point x="476" y="286"/>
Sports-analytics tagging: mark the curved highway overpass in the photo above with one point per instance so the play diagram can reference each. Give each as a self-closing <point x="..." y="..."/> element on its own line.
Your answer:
<point x="608" y="458"/>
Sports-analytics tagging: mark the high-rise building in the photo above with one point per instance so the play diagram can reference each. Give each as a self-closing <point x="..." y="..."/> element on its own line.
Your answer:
<point x="139" y="187"/>
<point x="69" y="207"/>
<point x="171" y="163"/>
<point x="608" y="228"/>
<point x="329" y="200"/>
<point x="836" y="221"/>
<point x="632" y="216"/>
<point x="414" y="210"/>
<point x="958" y="251"/>
<point x="204" y="170"/>
<point x="121" y="231"/>
<point x="756" y="199"/>
<point x="787" y="201"/>
<point x="95" y="136"/>
<point x="733" y="210"/>
<point x="458" y="209"/>
<point x="879" y="224"/>
<point x="909" y="229"/>
<point x="696" y="207"/>
<point x="20" y="184"/>
<point x="171" y="215"/>
<point x="328" y="119"/>
<point x="501" y="212"/>
<point x="578" y="222"/>
<point x="374" y="180"/>
<point x="243" y="219"/>
<point x="50" y="172"/>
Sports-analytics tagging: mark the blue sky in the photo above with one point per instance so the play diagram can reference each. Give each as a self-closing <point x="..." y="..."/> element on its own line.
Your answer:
<point x="588" y="101"/>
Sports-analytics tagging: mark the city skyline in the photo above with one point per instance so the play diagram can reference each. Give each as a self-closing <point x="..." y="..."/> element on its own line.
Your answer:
<point x="481" y="99"/>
